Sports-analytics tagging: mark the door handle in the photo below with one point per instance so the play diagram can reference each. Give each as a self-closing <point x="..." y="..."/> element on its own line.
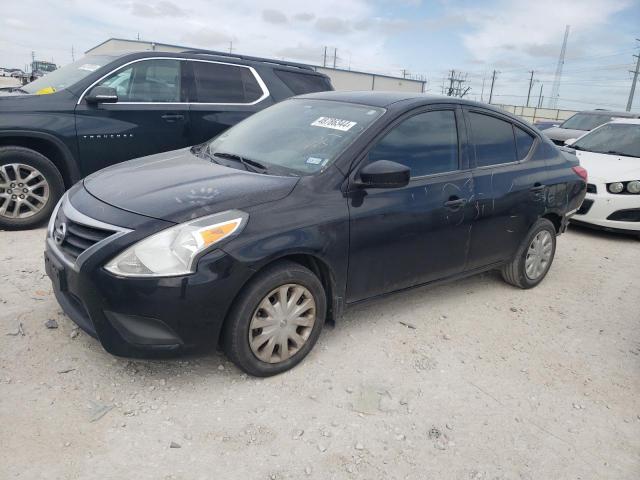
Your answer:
<point x="172" y="117"/>
<point x="537" y="187"/>
<point x="454" y="203"/>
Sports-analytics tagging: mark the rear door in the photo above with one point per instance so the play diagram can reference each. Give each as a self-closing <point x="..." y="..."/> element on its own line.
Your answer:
<point x="509" y="185"/>
<point x="150" y="116"/>
<point x="407" y="236"/>
<point x="221" y="95"/>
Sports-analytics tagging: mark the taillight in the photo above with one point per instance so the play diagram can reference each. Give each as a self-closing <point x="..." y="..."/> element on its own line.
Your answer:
<point x="581" y="172"/>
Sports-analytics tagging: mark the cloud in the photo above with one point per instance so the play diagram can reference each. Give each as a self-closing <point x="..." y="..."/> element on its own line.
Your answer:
<point x="274" y="16"/>
<point x="161" y="9"/>
<point x="333" y="25"/>
<point x="207" y="37"/>
<point x="304" y="16"/>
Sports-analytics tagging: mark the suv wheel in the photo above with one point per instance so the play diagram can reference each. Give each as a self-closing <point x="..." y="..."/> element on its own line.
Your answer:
<point x="276" y="320"/>
<point x="30" y="187"/>
<point x="534" y="257"/>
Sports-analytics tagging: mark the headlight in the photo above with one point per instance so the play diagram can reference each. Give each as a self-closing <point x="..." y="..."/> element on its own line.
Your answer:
<point x="633" y="186"/>
<point x="616" y="187"/>
<point x="174" y="251"/>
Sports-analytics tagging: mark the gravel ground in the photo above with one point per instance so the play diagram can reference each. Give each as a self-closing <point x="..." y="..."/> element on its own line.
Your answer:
<point x="471" y="380"/>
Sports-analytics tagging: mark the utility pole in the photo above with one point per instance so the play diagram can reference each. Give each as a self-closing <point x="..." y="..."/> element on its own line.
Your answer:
<point x="335" y="56"/>
<point x="404" y="73"/>
<point x="555" y="88"/>
<point x="482" y="91"/>
<point x="635" y="80"/>
<point x="530" y="85"/>
<point x="493" y="81"/>
<point x="230" y="46"/>
<point x="540" y="96"/>
<point x="324" y="58"/>
<point x="73" y="55"/>
<point x="451" y="80"/>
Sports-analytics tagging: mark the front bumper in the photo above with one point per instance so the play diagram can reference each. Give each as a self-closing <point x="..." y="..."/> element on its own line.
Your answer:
<point x="138" y="316"/>
<point x="599" y="207"/>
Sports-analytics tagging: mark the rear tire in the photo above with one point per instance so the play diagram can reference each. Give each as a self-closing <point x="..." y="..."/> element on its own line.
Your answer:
<point x="30" y="187"/>
<point x="534" y="257"/>
<point x="264" y="340"/>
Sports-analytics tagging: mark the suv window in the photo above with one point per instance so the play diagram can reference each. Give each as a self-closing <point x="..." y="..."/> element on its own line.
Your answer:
<point x="300" y="83"/>
<point x="221" y="83"/>
<point x="147" y="81"/>
<point x="427" y="143"/>
<point x="524" y="141"/>
<point x="493" y="139"/>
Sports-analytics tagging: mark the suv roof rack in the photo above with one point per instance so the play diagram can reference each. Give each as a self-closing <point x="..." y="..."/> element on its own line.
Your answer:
<point x="250" y="58"/>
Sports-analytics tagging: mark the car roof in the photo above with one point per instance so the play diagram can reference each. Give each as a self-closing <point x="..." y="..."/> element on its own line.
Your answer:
<point x="386" y="99"/>
<point x="611" y="113"/>
<point x="631" y="121"/>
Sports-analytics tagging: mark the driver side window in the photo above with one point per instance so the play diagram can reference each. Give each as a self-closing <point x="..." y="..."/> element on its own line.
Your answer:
<point x="147" y="81"/>
<point x="427" y="143"/>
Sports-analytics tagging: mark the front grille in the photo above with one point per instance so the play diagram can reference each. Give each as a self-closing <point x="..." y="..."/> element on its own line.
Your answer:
<point x="591" y="188"/>
<point x="630" y="215"/>
<point x="585" y="207"/>
<point x="76" y="237"/>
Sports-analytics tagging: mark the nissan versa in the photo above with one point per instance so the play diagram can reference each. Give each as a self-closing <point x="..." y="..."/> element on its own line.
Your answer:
<point x="259" y="236"/>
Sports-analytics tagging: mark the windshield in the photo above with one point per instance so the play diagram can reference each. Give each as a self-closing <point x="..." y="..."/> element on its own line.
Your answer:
<point x="586" y="121"/>
<point x="68" y="75"/>
<point x="614" y="138"/>
<point x="299" y="136"/>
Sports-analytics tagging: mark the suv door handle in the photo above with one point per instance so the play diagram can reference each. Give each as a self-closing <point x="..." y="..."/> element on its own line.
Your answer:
<point x="537" y="187"/>
<point x="172" y="117"/>
<point x="454" y="203"/>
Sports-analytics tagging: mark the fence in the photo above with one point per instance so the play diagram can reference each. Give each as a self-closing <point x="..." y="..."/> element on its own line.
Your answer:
<point x="534" y="114"/>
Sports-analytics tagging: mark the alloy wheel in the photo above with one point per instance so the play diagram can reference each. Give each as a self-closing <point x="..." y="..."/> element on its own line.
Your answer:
<point x="24" y="191"/>
<point x="282" y="323"/>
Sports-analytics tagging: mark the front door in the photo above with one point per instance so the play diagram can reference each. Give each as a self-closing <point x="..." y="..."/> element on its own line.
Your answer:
<point x="149" y="117"/>
<point x="419" y="233"/>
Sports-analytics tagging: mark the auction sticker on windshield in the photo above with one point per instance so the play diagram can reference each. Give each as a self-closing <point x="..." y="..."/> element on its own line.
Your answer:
<point x="334" y="123"/>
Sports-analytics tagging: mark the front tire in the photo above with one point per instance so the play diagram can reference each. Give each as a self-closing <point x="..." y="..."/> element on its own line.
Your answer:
<point x="276" y="319"/>
<point x="30" y="187"/>
<point x="534" y="257"/>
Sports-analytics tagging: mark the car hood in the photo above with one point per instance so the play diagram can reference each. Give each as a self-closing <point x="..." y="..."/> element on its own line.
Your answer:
<point x="562" y="134"/>
<point x="178" y="186"/>
<point x="609" y="168"/>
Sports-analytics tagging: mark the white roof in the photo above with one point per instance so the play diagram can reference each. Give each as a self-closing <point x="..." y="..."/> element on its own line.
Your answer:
<point x="632" y="121"/>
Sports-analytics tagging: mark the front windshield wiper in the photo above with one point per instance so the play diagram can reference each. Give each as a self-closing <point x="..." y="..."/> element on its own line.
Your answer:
<point x="249" y="164"/>
<point x="622" y="154"/>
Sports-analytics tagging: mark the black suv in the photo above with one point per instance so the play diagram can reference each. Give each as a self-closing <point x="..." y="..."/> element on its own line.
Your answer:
<point x="105" y="109"/>
<point x="307" y="207"/>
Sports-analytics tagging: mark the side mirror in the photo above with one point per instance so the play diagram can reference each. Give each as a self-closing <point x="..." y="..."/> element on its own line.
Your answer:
<point x="384" y="174"/>
<point x="570" y="142"/>
<point x="102" y="95"/>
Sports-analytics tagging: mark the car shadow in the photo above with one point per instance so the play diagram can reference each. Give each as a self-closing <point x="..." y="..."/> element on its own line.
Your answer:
<point x="630" y="237"/>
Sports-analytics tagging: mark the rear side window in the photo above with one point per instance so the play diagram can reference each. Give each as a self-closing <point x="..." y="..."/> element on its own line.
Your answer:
<point x="220" y="83"/>
<point x="300" y="83"/>
<point x="524" y="141"/>
<point x="427" y="143"/>
<point x="493" y="139"/>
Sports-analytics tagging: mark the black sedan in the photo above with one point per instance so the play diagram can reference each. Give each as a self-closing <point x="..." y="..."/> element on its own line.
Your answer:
<point x="259" y="236"/>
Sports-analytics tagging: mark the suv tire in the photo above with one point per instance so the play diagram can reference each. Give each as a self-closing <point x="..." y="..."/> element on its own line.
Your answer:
<point x="534" y="257"/>
<point x="30" y="187"/>
<point x="303" y="289"/>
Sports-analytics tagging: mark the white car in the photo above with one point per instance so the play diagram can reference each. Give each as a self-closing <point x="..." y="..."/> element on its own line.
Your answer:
<point x="611" y="155"/>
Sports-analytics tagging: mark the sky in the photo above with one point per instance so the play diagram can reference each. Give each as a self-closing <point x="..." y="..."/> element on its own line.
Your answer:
<point x="420" y="38"/>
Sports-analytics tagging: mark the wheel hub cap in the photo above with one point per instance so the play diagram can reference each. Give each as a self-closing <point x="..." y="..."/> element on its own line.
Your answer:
<point x="282" y="323"/>
<point x="538" y="255"/>
<point x="23" y="191"/>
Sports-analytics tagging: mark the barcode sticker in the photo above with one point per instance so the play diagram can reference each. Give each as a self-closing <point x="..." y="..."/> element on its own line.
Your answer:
<point x="334" y="123"/>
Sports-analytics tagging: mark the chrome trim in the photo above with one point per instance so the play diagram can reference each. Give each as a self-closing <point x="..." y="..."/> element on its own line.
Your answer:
<point x="263" y="86"/>
<point x="78" y="217"/>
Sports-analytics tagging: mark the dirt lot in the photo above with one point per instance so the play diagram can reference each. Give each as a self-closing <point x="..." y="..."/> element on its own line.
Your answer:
<point x="473" y="380"/>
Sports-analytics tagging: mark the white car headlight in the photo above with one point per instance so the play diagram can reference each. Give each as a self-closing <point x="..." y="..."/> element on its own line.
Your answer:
<point x="174" y="251"/>
<point x="616" y="187"/>
<point x="633" y="186"/>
